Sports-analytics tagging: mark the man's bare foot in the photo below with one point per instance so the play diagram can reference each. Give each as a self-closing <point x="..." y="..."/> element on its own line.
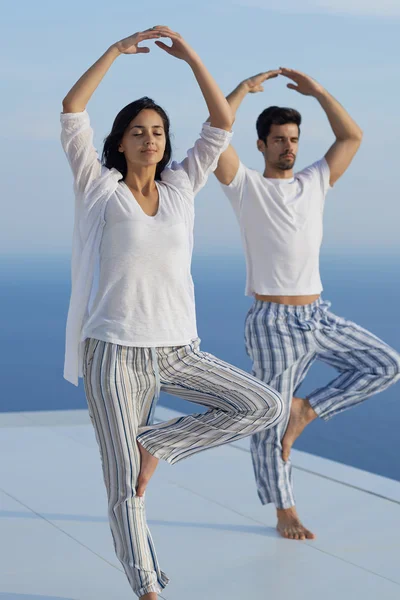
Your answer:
<point x="148" y="464"/>
<point x="290" y="526"/>
<point x="150" y="596"/>
<point x="301" y="414"/>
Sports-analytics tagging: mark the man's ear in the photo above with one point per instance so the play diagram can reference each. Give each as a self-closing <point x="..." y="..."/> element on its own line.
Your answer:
<point x="261" y="146"/>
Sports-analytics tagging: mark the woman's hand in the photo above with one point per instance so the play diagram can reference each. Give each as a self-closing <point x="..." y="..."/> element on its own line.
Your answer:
<point x="180" y="49"/>
<point x="220" y="113"/>
<point x="129" y="45"/>
<point x="80" y="94"/>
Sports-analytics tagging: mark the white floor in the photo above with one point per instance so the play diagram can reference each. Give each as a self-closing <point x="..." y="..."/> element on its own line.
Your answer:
<point x="214" y="539"/>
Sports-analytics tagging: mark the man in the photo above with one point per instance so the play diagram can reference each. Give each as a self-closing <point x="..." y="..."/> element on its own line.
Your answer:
<point x="289" y="325"/>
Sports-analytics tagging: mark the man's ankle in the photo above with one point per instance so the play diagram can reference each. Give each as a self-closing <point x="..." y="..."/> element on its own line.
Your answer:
<point x="287" y="511"/>
<point x="311" y="414"/>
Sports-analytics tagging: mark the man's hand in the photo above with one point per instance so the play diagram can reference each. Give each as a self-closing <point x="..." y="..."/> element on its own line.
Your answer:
<point x="228" y="163"/>
<point x="254" y="84"/>
<point x="305" y="84"/>
<point x="347" y="132"/>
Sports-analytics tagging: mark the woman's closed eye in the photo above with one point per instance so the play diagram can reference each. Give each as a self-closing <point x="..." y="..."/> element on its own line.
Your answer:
<point x="156" y="134"/>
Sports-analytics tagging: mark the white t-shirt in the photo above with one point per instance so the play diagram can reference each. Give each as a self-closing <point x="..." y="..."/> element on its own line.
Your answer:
<point x="281" y="227"/>
<point x="144" y="294"/>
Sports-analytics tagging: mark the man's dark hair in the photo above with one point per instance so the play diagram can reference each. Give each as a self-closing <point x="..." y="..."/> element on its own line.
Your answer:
<point x="275" y="115"/>
<point x="112" y="158"/>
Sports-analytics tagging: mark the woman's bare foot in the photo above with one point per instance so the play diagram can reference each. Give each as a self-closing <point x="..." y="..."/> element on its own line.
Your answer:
<point x="150" y="596"/>
<point x="301" y="414"/>
<point x="290" y="526"/>
<point x="148" y="464"/>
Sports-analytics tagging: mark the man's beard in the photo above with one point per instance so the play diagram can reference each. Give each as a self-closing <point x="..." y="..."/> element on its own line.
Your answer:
<point x="285" y="164"/>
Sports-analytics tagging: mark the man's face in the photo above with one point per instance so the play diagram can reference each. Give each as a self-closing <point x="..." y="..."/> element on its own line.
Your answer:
<point x="281" y="146"/>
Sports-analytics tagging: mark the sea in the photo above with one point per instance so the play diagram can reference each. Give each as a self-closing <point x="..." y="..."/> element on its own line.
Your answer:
<point x="366" y="289"/>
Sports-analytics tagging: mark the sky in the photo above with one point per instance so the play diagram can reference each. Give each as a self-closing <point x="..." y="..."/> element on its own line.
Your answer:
<point x="350" y="46"/>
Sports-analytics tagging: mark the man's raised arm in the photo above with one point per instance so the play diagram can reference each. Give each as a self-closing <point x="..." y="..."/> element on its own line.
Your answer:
<point x="228" y="163"/>
<point x="348" y="134"/>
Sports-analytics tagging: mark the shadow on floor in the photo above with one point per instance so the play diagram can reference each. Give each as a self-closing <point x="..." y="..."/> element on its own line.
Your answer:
<point x="10" y="596"/>
<point x="255" y="529"/>
<point x="252" y="529"/>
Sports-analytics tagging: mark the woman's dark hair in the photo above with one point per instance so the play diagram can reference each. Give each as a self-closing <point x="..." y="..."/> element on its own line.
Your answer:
<point x="112" y="158"/>
<point x="275" y="115"/>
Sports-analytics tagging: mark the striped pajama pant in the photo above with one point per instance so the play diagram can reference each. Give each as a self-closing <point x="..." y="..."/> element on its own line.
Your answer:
<point x="283" y="341"/>
<point x="121" y="389"/>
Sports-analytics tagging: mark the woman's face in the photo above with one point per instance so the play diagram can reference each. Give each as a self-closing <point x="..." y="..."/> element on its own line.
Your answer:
<point x="143" y="142"/>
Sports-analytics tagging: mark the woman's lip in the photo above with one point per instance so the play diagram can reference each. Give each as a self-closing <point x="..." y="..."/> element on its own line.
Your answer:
<point x="149" y="151"/>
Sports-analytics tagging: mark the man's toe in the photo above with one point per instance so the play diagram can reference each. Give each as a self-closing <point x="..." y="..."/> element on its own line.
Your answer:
<point x="141" y="487"/>
<point x="285" y="452"/>
<point x="310" y="535"/>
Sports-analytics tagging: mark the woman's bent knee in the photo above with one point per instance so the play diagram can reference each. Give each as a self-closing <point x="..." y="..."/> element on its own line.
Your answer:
<point x="274" y="401"/>
<point x="279" y="408"/>
<point x="396" y="366"/>
<point x="273" y="409"/>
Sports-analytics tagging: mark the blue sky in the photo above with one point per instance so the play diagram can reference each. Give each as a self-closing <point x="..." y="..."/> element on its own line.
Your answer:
<point x="350" y="46"/>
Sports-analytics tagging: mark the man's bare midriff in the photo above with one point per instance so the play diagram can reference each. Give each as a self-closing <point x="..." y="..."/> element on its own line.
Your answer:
<point x="291" y="300"/>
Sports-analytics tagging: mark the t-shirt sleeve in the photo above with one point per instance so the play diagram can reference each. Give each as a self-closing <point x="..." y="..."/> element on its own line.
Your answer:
<point x="319" y="173"/>
<point x="201" y="160"/>
<point x="77" y="142"/>
<point x="235" y="190"/>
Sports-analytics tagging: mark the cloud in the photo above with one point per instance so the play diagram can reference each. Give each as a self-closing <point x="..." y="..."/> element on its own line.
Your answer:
<point x="385" y="8"/>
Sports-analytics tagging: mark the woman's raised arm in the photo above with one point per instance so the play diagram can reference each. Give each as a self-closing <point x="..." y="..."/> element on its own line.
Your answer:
<point x="220" y="112"/>
<point x="80" y="94"/>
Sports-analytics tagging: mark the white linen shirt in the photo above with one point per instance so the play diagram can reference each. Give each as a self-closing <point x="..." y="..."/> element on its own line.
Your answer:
<point x="281" y="225"/>
<point x="95" y="186"/>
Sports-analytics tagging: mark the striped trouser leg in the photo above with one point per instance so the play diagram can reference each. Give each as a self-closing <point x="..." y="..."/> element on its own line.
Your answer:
<point x="120" y="385"/>
<point x="238" y="404"/>
<point x="365" y="363"/>
<point x="282" y="355"/>
<point x="283" y="341"/>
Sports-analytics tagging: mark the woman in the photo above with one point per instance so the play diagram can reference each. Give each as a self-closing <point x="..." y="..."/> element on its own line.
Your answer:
<point x="134" y="222"/>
